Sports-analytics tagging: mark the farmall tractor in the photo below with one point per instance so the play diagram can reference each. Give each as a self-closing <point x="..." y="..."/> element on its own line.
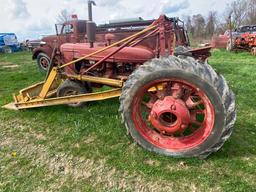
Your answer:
<point x="246" y="42"/>
<point x="75" y="31"/>
<point x="172" y="103"/>
<point x="243" y="42"/>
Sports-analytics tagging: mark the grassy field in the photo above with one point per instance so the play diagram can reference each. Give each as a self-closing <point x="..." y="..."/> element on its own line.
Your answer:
<point x="65" y="149"/>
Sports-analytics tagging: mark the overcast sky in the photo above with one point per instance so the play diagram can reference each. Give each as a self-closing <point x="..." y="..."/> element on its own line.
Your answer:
<point x="32" y="18"/>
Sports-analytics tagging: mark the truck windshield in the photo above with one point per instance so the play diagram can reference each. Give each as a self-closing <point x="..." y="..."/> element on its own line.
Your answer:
<point x="64" y="29"/>
<point x="245" y="29"/>
<point x="67" y="29"/>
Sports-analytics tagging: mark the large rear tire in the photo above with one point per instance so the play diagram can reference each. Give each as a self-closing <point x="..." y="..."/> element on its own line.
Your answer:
<point x="178" y="107"/>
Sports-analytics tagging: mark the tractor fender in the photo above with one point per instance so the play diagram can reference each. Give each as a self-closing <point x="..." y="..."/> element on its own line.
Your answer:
<point x="42" y="49"/>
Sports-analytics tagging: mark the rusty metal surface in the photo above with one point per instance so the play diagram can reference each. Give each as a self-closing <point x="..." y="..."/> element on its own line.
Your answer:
<point x="245" y="42"/>
<point x="201" y="53"/>
<point x="103" y="65"/>
<point x="128" y="54"/>
<point x="118" y="30"/>
<point x="171" y="112"/>
<point x="219" y="41"/>
<point x="162" y="40"/>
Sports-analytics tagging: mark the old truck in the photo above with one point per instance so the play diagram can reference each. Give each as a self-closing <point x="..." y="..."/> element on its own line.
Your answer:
<point x="74" y="31"/>
<point x="9" y="43"/>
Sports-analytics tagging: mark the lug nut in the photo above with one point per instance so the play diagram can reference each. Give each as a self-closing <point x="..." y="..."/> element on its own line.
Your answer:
<point x="183" y="126"/>
<point x="154" y="115"/>
<point x="173" y="107"/>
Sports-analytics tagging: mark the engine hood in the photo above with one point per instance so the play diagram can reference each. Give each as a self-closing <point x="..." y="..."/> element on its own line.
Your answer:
<point x="128" y="54"/>
<point x="50" y="38"/>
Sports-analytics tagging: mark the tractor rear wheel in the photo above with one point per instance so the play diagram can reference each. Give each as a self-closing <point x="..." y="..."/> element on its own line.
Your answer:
<point x="178" y="107"/>
<point x="71" y="88"/>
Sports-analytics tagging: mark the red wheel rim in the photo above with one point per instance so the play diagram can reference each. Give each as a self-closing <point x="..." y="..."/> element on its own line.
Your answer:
<point x="172" y="114"/>
<point x="44" y="63"/>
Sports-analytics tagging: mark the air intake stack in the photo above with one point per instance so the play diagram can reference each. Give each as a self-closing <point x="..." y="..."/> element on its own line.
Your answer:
<point x="91" y="26"/>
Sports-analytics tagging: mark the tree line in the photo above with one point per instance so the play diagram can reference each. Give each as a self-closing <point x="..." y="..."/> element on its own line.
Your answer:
<point x="242" y="12"/>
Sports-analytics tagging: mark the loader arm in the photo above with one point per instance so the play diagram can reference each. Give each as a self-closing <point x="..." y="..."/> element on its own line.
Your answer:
<point x="44" y="94"/>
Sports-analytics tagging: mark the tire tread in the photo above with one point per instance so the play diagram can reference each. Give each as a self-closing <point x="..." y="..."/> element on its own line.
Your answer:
<point x="206" y="72"/>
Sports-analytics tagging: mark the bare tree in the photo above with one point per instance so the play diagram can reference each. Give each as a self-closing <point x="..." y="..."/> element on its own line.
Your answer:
<point x="211" y="23"/>
<point x="189" y="26"/>
<point x="63" y="16"/>
<point x="238" y="9"/>
<point x="251" y="12"/>
<point x="198" y="22"/>
<point x="243" y="13"/>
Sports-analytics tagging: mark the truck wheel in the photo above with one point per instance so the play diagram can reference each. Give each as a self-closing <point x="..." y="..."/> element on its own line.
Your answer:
<point x="7" y="50"/>
<point x="253" y="51"/>
<point x="178" y="107"/>
<point x="69" y="88"/>
<point x="43" y="62"/>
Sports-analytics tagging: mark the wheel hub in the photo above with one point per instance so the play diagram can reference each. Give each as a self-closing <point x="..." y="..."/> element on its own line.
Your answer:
<point x="44" y="63"/>
<point x="170" y="115"/>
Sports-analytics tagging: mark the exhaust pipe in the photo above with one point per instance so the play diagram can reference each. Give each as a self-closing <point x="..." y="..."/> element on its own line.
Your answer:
<point x="90" y="4"/>
<point x="90" y="26"/>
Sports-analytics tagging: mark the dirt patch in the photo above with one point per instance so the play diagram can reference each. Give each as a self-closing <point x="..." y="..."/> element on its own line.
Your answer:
<point x="5" y="63"/>
<point x="66" y="166"/>
<point x="8" y="65"/>
<point x="79" y="168"/>
<point x="152" y="162"/>
<point x="90" y="139"/>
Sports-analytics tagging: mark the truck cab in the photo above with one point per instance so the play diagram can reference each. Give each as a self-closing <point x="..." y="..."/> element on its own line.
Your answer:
<point x="9" y="43"/>
<point x="72" y="31"/>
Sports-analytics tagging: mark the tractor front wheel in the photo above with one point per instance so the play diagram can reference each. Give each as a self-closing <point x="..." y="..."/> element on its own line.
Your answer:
<point x="178" y="107"/>
<point x="72" y="88"/>
<point x="253" y="51"/>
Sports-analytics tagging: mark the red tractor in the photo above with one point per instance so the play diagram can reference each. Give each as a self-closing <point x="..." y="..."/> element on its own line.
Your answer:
<point x="225" y="41"/>
<point x="245" y="41"/>
<point x="171" y="102"/>
<point x="75" y="31"/>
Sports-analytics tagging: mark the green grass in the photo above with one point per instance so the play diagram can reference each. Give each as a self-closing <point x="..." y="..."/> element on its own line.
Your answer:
<point x="64" y="149"/>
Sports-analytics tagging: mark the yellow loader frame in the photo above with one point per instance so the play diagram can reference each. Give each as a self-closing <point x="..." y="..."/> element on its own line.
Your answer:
<point x="44" y="93"/>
